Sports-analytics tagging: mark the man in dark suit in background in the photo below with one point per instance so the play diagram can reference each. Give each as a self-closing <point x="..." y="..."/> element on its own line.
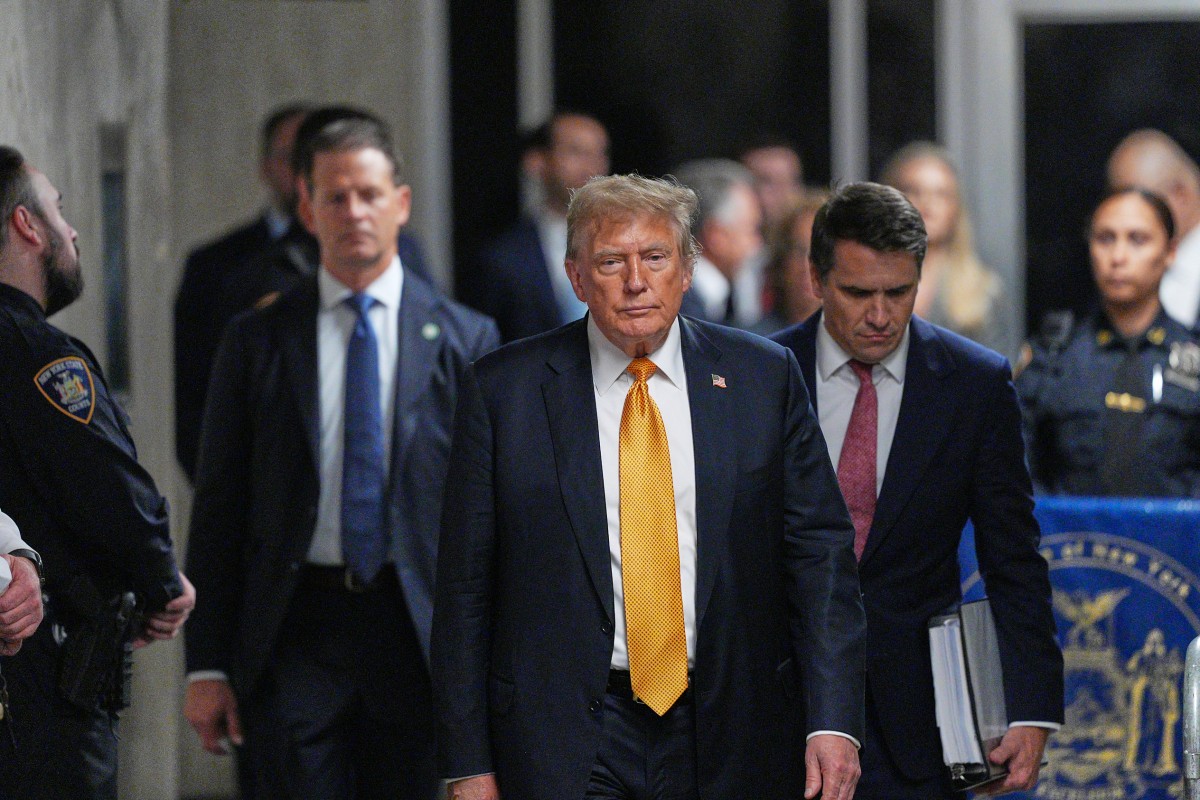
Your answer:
<point x="214" y="269"/>
<point x="926" y="433"/>
<point x="318" y="499"/>
<point x="520" y="279"/>
<point x="646" y="585"/>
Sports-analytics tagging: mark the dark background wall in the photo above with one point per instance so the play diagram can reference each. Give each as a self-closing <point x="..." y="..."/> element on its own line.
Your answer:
<point x="680" y="80"/>
<point x="900" y="76"/>
<point x="1086" y="86"/>
<point x="675" y="81"/>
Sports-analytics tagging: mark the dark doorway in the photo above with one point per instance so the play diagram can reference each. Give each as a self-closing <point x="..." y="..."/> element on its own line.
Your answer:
<point x="1086" y="87"/>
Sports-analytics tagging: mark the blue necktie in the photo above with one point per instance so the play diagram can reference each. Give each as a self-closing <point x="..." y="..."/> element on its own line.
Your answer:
<point x="364" y="543"/>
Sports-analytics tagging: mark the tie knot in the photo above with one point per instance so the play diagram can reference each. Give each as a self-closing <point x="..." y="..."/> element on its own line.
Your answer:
<point x="641" y="369"/>
<point x="361" y="303"/>
<point x="862" y="370"/>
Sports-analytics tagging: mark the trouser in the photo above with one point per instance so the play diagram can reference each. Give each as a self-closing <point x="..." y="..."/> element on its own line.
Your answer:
<point x="881" y="778"/>
<point x="55" y="750"/>
<point x="644" y="756"/>
<point x="345" y="710"/>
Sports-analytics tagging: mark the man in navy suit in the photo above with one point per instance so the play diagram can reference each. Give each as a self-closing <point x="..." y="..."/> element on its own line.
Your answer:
<point x="210" y="292"/>
<point x="543" y="690"/>
<point x="925" y="431"/>
<point x="520" y="280"/>
<point x="318" y="499"/>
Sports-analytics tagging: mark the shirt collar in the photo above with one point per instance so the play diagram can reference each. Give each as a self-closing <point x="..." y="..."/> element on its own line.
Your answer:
<point x="609" y="363"/>
<point x="549" y="221"/>
<point x="831" y="357"/>
<point x="386" y="289"/>
<point x="278" y="223"/>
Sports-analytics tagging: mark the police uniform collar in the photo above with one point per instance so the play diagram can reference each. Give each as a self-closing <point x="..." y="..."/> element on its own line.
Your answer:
<point x="13" y="296"/>
<point x="1157" y="334"/>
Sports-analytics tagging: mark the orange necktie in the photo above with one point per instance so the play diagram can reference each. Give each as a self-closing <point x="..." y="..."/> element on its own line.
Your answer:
<point x="650" y="550"/>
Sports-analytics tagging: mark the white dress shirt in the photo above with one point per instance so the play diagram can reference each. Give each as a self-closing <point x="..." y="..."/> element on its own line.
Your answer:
<point x="712" y="287"/>
<point x="668" y="387"/>
<point x="10" y="539"/>
<point x="278" y="223"/>
<point x="1180" y="287"/>
<point x="552" y="234"/>
<point x="837" y="386"/>
<point x="10" y="535"/>
<point x="335" y="322"/>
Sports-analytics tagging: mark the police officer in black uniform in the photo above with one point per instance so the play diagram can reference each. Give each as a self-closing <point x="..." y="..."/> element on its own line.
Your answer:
<point x="69" y="476"/>
<point x="1112" y="403"/>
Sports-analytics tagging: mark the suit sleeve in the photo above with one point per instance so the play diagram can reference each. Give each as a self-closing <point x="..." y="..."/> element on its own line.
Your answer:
<point x="828" y="624"/>
<point x="220" y="511"/>
<point x="1014" y="572"/>
<point x="462" y="606"/>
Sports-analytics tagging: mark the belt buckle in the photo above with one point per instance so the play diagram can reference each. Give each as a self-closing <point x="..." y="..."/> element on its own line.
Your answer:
<point x="352" y="582"/>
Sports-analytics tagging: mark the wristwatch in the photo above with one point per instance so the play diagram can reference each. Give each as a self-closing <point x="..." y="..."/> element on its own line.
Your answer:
<point x="32" y="555"/>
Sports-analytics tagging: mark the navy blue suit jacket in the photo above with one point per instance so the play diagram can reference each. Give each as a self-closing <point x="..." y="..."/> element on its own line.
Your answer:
<point x="513" y="283"/>
<point x="200" y="318"/>
<point x="957" y="455"/>
<point x="258" y="480"/>
<point x="523" y="622"/>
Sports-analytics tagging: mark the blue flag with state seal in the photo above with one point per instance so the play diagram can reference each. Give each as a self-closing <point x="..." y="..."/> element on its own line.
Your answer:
<point x="1127" y="604"/>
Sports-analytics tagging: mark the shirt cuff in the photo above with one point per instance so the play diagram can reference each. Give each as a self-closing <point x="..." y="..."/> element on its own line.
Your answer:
<point x="207" y="675"/>
<point x="1049" y="725"/>
<point x="468" y="777"/>
<point x="857" y="744"/>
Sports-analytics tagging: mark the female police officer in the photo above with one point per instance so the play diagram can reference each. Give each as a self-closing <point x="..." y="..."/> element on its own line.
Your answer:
<point x="1112" y="404"/>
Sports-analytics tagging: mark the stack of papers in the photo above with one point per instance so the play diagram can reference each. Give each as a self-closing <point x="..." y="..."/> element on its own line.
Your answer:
<point x="968" y="688"/>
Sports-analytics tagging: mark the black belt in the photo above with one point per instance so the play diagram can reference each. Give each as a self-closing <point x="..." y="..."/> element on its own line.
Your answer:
<point x="343" y="579"/>
<point x="620" y="686"/>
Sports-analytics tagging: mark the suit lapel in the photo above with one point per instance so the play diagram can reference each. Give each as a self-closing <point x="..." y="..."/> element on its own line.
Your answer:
<point x="927" y="416"/>
<point x="539" y="279"/>
<point x="570" y="399"/>
<point x="806" y="354"/>
<point x="296" y="332"/>
<point x="419" y="339"/>
<point x="714" y="442"/>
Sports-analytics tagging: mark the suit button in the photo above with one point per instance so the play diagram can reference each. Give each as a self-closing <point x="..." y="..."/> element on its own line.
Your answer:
<point x="606" y="628"/>
<point x="294" y="566"/>
<point x="594" y="706"/>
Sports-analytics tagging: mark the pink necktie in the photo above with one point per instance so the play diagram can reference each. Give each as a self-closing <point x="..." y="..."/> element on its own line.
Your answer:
<point x="856" y="467"/>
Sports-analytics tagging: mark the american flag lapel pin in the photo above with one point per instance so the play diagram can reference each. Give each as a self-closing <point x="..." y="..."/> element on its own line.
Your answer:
<point x="719" y="382"/>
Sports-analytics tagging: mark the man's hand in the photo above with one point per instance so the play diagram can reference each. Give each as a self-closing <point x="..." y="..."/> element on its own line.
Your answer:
<point x="212" y="710"/>
<point x="165" y="624"/>
<point x="481" y="787"/>
<point x="20" y="605"/>
<point x="830" y="767"/>
<point x="1021" y="751"/>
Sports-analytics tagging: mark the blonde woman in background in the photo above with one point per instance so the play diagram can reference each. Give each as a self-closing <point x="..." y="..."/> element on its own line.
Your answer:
<point x="957" y="291"/>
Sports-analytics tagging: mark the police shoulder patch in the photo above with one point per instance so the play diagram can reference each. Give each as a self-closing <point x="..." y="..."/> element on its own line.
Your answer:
<point x="67" y="384"/>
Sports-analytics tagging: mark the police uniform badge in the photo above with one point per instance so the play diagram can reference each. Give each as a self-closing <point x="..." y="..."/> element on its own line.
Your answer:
<point x="67" y="384"/>
<point x="1183" y="365"/>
